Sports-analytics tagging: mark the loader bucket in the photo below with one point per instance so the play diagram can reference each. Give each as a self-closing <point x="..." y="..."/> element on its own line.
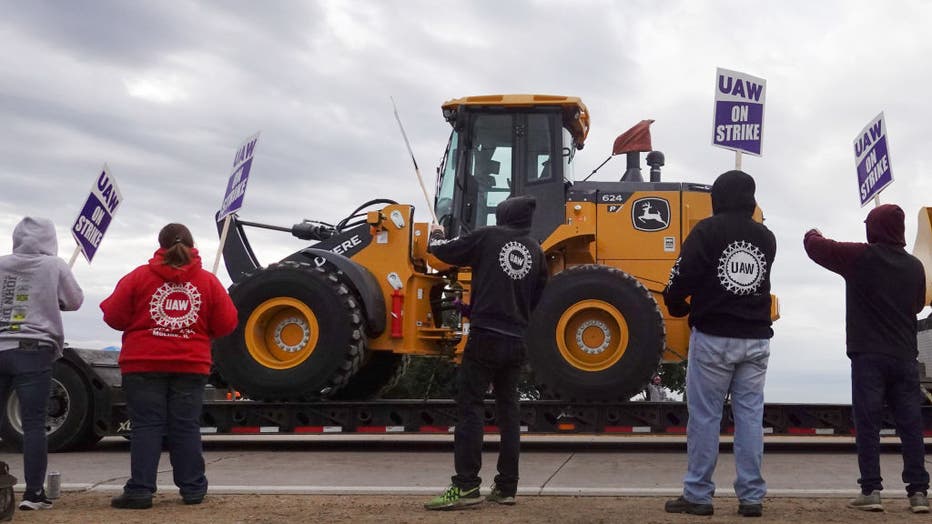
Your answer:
<point x="923" y="247"/>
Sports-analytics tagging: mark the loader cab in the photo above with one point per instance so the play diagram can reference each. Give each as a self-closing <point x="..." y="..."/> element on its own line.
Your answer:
<point x="504" y="145"/>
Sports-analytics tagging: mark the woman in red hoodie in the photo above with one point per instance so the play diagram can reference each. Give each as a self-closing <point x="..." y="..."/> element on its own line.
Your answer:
<point x="168" y="311"/>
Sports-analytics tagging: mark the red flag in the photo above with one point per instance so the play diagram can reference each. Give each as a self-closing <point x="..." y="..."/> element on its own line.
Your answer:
<point x="635" y="139"/>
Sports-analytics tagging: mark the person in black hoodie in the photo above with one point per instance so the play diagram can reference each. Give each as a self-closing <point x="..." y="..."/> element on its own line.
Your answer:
<point x="884" y="290"/>
<point x="509" y="272"/>
<point x="724" y="268"/>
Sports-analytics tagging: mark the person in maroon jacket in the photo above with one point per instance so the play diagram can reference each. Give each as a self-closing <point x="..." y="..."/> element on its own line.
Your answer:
<point x="168" y="311"/>
<point x="884" y="290"/>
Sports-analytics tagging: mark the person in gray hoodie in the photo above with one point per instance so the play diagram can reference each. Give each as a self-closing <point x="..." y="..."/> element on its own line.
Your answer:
<point x="35" y="287"/>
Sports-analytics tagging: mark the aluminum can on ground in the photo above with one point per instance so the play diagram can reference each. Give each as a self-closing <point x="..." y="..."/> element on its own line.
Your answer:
<point x="53" y="485"/>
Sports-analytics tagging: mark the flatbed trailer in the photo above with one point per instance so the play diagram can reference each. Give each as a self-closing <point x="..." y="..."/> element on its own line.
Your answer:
<point x="537" y="416"/>
<point x="88" y="404"/>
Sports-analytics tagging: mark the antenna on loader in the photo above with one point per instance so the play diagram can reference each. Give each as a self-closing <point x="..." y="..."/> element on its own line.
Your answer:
<point x="417" y="171"/>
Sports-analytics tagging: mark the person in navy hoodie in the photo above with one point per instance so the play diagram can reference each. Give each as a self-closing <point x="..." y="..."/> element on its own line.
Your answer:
<point x="885" y="289"/>
<point x="168" y="310"/>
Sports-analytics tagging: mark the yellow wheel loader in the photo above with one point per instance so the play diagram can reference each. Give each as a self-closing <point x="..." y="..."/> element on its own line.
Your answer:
<point x="339" y="318"/>
<point x="922" y="248"/>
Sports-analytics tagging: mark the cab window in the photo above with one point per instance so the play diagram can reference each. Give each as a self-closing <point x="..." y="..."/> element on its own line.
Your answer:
<point x="489" y="164"/>
<point x="539" y="140"/>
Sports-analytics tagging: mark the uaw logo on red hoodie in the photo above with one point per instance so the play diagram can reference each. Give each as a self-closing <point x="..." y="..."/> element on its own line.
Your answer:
<point x="174" y="308"/>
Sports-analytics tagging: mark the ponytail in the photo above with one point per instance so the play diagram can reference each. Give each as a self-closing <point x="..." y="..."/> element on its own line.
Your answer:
<point x="177" y="242"/>
<point x="178" y="255"/>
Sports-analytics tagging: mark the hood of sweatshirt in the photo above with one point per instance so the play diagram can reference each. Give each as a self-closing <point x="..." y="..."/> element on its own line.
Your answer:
<point x="733" y="191"/>
<point x="886" y="224"/>
<point x="35" y="236"/>
<point x="516" y="212"/>
<point x="170" y="273"/>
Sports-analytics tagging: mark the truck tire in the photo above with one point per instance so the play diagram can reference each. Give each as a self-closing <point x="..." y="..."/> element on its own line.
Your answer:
<point x="596" y="335"/>
<point x="381" y="372"/>
<point x="68" y="424"/>
<point x="300" y="334"/>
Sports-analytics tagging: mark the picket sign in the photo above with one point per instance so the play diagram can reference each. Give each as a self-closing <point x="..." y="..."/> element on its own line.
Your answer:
<point x="738" y="117"/>
<point x="872" y="160"/>
<point x="236" y="190"/>
<point x="95" y="216"/>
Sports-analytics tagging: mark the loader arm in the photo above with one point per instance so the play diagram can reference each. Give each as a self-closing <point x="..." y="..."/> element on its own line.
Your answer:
<point x="238" y="256"/>
<point x="922" y="249"/>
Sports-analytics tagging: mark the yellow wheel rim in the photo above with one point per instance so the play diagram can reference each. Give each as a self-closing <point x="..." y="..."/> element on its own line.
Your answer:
<point x="281" y="333"/>
<point x="592" y="335"/>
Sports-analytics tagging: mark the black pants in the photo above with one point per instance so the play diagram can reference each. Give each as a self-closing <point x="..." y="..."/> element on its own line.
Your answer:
<point x="493" y="359"/>
<point x="28" y="372"/>
<point x="165" y="406"/>
<point x="877" y="379"/>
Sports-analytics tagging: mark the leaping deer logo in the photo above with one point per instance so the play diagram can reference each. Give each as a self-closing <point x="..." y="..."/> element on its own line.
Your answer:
<point x="647" y="215"/>
<point x="650" y="214"/>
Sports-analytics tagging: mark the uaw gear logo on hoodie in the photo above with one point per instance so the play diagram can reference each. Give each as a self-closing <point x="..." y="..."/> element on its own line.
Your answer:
<point x="741" y="268"/>
<point x="174" y="308"/>
<point x="515" y="260"/>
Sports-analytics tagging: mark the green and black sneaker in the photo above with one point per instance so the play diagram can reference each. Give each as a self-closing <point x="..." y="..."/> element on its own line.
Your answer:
<point x="455" y="498"/>
<point x="499" y="497"/>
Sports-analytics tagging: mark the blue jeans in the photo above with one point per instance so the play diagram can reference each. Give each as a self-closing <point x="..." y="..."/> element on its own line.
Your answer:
<point x="488" y="359"/>
<point x="165" y="406"/>
<point x="29" y="373"/>
<point x="717" y="366"/>
<point x="877" y="379"/>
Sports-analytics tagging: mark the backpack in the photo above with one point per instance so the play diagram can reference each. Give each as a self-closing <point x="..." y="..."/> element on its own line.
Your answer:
<point x="7" y="500"/>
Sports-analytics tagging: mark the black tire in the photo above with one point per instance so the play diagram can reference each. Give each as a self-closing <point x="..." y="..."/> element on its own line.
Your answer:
<point x="300" y="334"/>
<point x="381" y="372"/>
<point x="69" y="421"/>
<point x="596" y="335"/>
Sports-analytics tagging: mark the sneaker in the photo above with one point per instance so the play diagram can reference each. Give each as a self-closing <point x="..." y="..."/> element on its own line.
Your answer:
<point x="918" y="502"/>
<point x="33" y="501"/>
<point x="499" y="497"/>
<point x="193" y="499"/>
<point x="750" y="509"/>
<point x="125" y="501"/>
<point x="681" y="505"/>
<point x="869" y="502"/>
<point x="454" y="498"/>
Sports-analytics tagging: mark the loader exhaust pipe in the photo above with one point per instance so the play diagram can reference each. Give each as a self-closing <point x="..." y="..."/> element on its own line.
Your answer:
<point x="655" y="161"/>
<point x="633" y="170"/>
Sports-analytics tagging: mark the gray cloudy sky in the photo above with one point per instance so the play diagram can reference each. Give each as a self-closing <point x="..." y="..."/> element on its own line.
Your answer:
<point x="164" y="92"/>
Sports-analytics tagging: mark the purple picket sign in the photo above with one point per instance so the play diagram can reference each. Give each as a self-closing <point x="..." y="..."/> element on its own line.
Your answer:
<point x="236" y="185"/>
<point x="96" y="214"/>
<point x="872" y="158"/>
<point x="738" y="122"/>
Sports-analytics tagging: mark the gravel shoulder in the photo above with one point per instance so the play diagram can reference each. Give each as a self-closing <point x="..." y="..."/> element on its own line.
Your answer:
<point x="95" y="507"/>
